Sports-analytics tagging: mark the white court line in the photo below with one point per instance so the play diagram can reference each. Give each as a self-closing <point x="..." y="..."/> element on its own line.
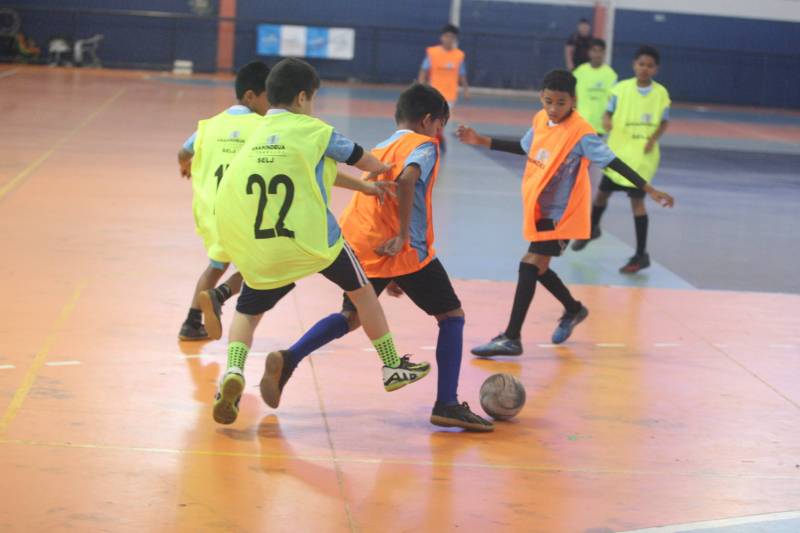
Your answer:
<point x="63" y="363"/>
<point x="7" y="367"/>
<point x="610" y="345"/>
<point x="547" y="345"/>
<point x="666" y="344"/>
<point x="714" y="524"/>
<point x="428" y="348"/>
<point x="8" y="73"/>
<point x="369" y="350"/>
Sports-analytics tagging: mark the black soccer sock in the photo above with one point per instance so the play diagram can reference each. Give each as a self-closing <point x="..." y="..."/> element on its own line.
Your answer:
<point x="526" y="287"/>
<point x="556" y="287"/>
<point x="597" y="212"/>
<point x="641" y="223"/>
<point x="195" y="316"/>
<point x="223" y="292"/>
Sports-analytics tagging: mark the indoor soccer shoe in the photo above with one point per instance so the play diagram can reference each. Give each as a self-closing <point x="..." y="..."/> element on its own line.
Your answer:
<point x="211" y="306"/>
<point x="408" y="372"/>
<point x="581" y="243"/>
<point x="276" y="373"/>
<point x="635" y="264"/>
<point x="567" y="323"/>
<point x="459" y="416"/>
<point x="192" y="332"/>
<point x="226" y="402"/>
<point x="500" y="345"/>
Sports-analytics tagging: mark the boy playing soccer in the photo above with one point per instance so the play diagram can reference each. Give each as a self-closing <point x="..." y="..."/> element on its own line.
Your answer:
<point x="595" y="80"/>
<point x="444" y="69"/>
<point x="636" y="117"/>
<point x="275" y="224"/>
<point x="203" y="159"/>
<point x="556" y="194"/>
<point x="394" y="242"/>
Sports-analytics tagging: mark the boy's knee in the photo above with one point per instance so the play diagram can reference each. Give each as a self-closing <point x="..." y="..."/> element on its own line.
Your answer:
<point x="353" y="321"/>
<point x="542" y="262"/>
<point x="455" y="313"/>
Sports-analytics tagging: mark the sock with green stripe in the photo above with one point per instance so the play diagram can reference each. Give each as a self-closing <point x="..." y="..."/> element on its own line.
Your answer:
<point x="237" y="355"/>
<point x="386" y="350"/>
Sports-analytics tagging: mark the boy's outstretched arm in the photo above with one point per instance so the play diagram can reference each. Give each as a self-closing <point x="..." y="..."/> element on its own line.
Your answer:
<point x="379" y="189"/>
<point x="406" y="183"/>
<point x="368" y="163"/>
<point x="185" y="162"/>
<point x="468" y="135"/>
<point x="631" y="175"/>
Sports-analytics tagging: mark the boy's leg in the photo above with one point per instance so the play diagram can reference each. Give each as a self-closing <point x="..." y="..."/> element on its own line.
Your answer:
<point x="431" y="290"/>
<point x="282" y="364"/>
<point x="250" y="308"/>
<point x="574" y="311"/>
<point x="192" y="328"/>
<point x="641" y="221"/>
<point x="211" y="302"/>
<point x="604" y="191"/>
<point x="535" y="261"/>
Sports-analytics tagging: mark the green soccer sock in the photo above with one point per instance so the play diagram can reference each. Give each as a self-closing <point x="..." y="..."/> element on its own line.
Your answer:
<point x="387" y="351"/>
<point x="237" y="355"/>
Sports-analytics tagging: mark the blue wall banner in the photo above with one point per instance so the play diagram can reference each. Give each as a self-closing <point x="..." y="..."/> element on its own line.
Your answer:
<point x="306" y="41"/>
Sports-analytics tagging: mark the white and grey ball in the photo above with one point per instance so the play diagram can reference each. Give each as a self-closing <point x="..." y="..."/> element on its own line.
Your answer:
<point x="502" y="396"/>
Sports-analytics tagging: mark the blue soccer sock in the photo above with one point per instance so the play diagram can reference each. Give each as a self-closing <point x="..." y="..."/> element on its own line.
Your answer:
<point x="448" y="359"/>
<point x="326" y="330"/>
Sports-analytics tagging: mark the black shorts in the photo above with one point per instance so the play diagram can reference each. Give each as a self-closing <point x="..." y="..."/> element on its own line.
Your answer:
<point x="430" y="289"/>
<point x="345" y="271"/>
<point x="552" y="248"/>
<point x="606" y="185"/>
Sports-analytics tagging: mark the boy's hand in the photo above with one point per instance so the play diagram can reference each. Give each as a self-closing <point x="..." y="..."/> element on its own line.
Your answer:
<point x="651" y="143"/>
<point x="467" y="135"/>
<point x="662" y="198"/>
<point x="380" y="189"/>
<point x="186" y="168"/>
<point x="392" y="247"/>
<point x="372" y="176"/>
<point x="394" y="290"/>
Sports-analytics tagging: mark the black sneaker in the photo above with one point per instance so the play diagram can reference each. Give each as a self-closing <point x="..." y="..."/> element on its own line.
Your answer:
<point x="500" y="345"/>
<point x="276" y="373"/>
<point x="408" y="372"/>
<point x="635" y="264"/>
<point x="211" y="306"/>
<point x="567" y="323"/>
<point x="192" y="332"/>
<point x="581" y="243"/>
<point x="459" y="416"/>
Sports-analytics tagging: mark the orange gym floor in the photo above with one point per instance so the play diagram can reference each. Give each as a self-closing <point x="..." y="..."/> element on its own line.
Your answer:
<point x="667" y="406"/>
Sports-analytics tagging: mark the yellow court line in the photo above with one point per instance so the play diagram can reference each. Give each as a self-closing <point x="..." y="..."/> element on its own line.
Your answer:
<point x="542" y="469"/>
<point x="13" y="182"/>
<point x="39" y="360"/>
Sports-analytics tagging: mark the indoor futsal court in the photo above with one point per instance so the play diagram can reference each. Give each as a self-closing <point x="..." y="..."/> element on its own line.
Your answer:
<point x="674" y="407"/>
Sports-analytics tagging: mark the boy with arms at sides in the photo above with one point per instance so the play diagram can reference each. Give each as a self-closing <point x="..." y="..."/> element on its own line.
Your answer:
<point x="444" y="69"/>
<point x="595" y="80"/>
<point x="394" y="242"/>
<point x="636" y="118"/>
<point x="203" y="159"/>
<point x="556" y="195"/>
<point x="275" y="224"/>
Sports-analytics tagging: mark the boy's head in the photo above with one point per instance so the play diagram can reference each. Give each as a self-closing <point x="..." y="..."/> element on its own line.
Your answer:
<point x="597" y="52"/>
<point x="251" y="86"/>
<point x="645" y="64"/>
<point x="423" y="109"/>
<point x="292" y="84"/>
<point x="449" y="36"/>
<point x="558" y="94"/>
<point x="584" y="28"/>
